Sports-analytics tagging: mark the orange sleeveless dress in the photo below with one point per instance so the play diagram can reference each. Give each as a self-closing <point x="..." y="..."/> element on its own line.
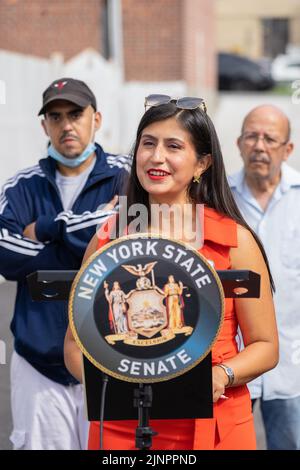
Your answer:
<point x="232" y="427"/>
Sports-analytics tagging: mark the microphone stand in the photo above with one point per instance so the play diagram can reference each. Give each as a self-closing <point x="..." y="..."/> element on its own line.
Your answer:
<point x="143" y="401"/>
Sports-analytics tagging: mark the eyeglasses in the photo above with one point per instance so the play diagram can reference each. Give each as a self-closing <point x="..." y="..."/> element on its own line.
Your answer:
<point x="251" y="138"/>
<point x="181" y="103"/>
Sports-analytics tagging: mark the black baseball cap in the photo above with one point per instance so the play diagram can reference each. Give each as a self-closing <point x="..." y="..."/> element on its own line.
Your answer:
<point x="69" y="89"/>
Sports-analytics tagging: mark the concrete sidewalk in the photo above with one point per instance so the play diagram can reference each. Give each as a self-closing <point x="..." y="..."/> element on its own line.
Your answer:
<point x="7" y="296"/>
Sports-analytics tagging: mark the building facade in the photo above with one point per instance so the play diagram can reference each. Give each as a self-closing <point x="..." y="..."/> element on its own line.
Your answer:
<point x="260" y="28"/>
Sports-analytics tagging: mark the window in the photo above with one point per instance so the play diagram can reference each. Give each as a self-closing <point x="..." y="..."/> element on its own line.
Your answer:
<point x="275" y="36"/>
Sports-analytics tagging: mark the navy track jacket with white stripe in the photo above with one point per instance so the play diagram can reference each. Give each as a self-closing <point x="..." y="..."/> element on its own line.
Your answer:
<point x="32" y="196"/>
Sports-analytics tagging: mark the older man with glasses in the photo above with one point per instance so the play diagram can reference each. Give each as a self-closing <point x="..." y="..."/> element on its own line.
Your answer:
<point x="267" y="192"/>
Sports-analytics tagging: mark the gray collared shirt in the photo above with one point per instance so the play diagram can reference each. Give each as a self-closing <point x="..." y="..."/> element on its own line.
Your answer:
<point x="278" y="227"/>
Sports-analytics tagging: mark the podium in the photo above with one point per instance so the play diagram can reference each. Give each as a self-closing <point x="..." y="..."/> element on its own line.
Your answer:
<point x="173" y="399"/>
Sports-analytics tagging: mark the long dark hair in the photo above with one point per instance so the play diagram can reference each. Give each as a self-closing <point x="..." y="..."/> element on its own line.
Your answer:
<point x="213" y="189"/>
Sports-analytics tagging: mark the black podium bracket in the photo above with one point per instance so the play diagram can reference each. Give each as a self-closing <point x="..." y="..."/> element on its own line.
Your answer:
<point x="56" y="285"/>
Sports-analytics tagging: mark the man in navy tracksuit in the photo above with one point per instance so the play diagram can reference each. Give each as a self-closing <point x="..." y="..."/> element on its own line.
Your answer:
<point x="48" y="214"/>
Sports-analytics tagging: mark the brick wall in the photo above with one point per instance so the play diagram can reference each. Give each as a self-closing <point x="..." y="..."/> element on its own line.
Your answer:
<point x="152" y="35"/>
<point x="170" y="40"/>
<point x="41" y="27"/>
<point x="163" y="40"/>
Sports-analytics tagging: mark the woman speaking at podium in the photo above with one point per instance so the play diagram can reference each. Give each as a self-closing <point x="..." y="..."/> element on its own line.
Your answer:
<point x="177" y="160"/>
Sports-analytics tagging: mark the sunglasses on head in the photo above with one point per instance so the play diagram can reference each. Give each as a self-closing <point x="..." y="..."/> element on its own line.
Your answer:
<point x="182" y="103"/>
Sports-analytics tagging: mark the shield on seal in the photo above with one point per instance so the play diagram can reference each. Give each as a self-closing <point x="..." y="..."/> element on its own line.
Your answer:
<point x="146" y="314"/>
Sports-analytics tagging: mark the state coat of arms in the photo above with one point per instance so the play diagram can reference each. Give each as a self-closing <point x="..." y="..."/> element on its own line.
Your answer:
<point x="147" y="310"/>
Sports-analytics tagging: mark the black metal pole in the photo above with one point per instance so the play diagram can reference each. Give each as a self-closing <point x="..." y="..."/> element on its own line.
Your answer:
<point x="143" y="401"/>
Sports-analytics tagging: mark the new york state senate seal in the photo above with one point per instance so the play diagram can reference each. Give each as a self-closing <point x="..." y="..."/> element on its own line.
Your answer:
<point x="146" y="308"/>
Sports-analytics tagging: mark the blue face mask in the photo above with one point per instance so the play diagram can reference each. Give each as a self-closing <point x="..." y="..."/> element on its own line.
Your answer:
<point x="72" y="162"/>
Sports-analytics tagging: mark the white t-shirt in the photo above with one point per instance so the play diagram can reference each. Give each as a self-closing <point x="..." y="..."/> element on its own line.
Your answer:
<point x="71" y="186"/>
